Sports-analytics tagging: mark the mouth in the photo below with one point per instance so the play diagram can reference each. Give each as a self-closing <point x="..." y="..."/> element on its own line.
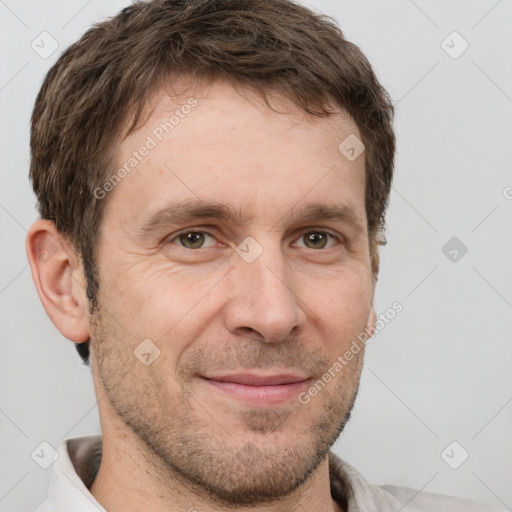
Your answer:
<point x="259" y="390"/>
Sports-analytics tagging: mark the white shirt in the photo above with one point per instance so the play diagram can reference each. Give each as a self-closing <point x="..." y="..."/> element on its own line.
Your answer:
<point x="79" y="458"/>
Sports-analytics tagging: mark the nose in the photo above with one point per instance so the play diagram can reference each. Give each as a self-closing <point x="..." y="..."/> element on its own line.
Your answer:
<point x="263" y="301"/>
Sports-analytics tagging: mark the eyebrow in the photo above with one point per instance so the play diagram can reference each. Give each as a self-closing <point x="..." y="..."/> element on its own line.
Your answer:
<point x="192" y="210"/>
<point x="339" y="213"/>
<point x="196" y="210"/>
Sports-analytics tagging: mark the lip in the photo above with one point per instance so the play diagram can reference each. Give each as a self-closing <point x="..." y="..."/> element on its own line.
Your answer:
<point x="252" y="379"/>
<point x="259" y="390"/>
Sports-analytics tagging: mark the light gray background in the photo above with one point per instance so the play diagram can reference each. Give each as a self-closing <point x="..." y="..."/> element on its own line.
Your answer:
<point x="441" y="370"/>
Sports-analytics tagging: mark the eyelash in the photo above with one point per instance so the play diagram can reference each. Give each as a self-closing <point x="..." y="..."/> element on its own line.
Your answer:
<point x="176" y="236"/>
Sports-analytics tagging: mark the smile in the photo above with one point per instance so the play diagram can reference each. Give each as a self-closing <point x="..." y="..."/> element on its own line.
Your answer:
<point x="257" y="390"/>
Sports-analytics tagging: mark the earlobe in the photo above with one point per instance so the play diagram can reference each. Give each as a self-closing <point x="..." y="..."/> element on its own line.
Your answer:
<point x="59" y="280"/>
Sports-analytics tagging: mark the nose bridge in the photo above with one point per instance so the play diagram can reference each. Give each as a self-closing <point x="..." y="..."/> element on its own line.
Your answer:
<point x="263" y="297"/>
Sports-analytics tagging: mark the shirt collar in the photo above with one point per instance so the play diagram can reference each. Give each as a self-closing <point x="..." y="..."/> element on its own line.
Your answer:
<point x="73" y="472"/>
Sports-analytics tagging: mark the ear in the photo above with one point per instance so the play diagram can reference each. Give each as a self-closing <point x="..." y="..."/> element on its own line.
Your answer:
<point x="372" y="316"/>
<point x="372" y="321"/>
<point x="59" y="278"/>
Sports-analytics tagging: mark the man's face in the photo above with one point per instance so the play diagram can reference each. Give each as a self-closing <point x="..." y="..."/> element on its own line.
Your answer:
<point x="227" y="311"/>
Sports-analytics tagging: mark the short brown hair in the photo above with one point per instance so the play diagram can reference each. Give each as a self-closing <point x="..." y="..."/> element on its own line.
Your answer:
<point x="108" y="75"/>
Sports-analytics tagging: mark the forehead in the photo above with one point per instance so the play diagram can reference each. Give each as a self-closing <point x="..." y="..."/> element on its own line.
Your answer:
<point x="225" y="146"/>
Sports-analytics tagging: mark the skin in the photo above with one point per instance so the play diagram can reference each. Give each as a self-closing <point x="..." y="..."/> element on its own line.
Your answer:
<point x="171" y="441"/>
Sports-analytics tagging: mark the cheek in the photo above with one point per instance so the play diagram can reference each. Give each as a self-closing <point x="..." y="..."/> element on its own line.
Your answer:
<point x="169" y="308"/>
<point x="339" y="311"/>
<point x="344" y="296"/>
<point x="156" y="295"/>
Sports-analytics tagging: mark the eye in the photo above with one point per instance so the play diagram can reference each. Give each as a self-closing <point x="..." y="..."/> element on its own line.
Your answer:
<point x="192" y="239"/>
<point x="318" y="239"/>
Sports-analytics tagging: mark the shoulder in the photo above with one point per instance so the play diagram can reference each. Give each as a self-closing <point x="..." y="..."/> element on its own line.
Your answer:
<point x="350" y="487"/>
<point x="419" y="501"/>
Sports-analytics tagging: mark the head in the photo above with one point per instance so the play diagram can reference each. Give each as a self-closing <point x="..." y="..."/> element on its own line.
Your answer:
<point x="225" y="118"/>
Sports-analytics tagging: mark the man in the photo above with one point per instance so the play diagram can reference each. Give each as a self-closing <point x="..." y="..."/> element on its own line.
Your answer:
<point x="212" y="179"/>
